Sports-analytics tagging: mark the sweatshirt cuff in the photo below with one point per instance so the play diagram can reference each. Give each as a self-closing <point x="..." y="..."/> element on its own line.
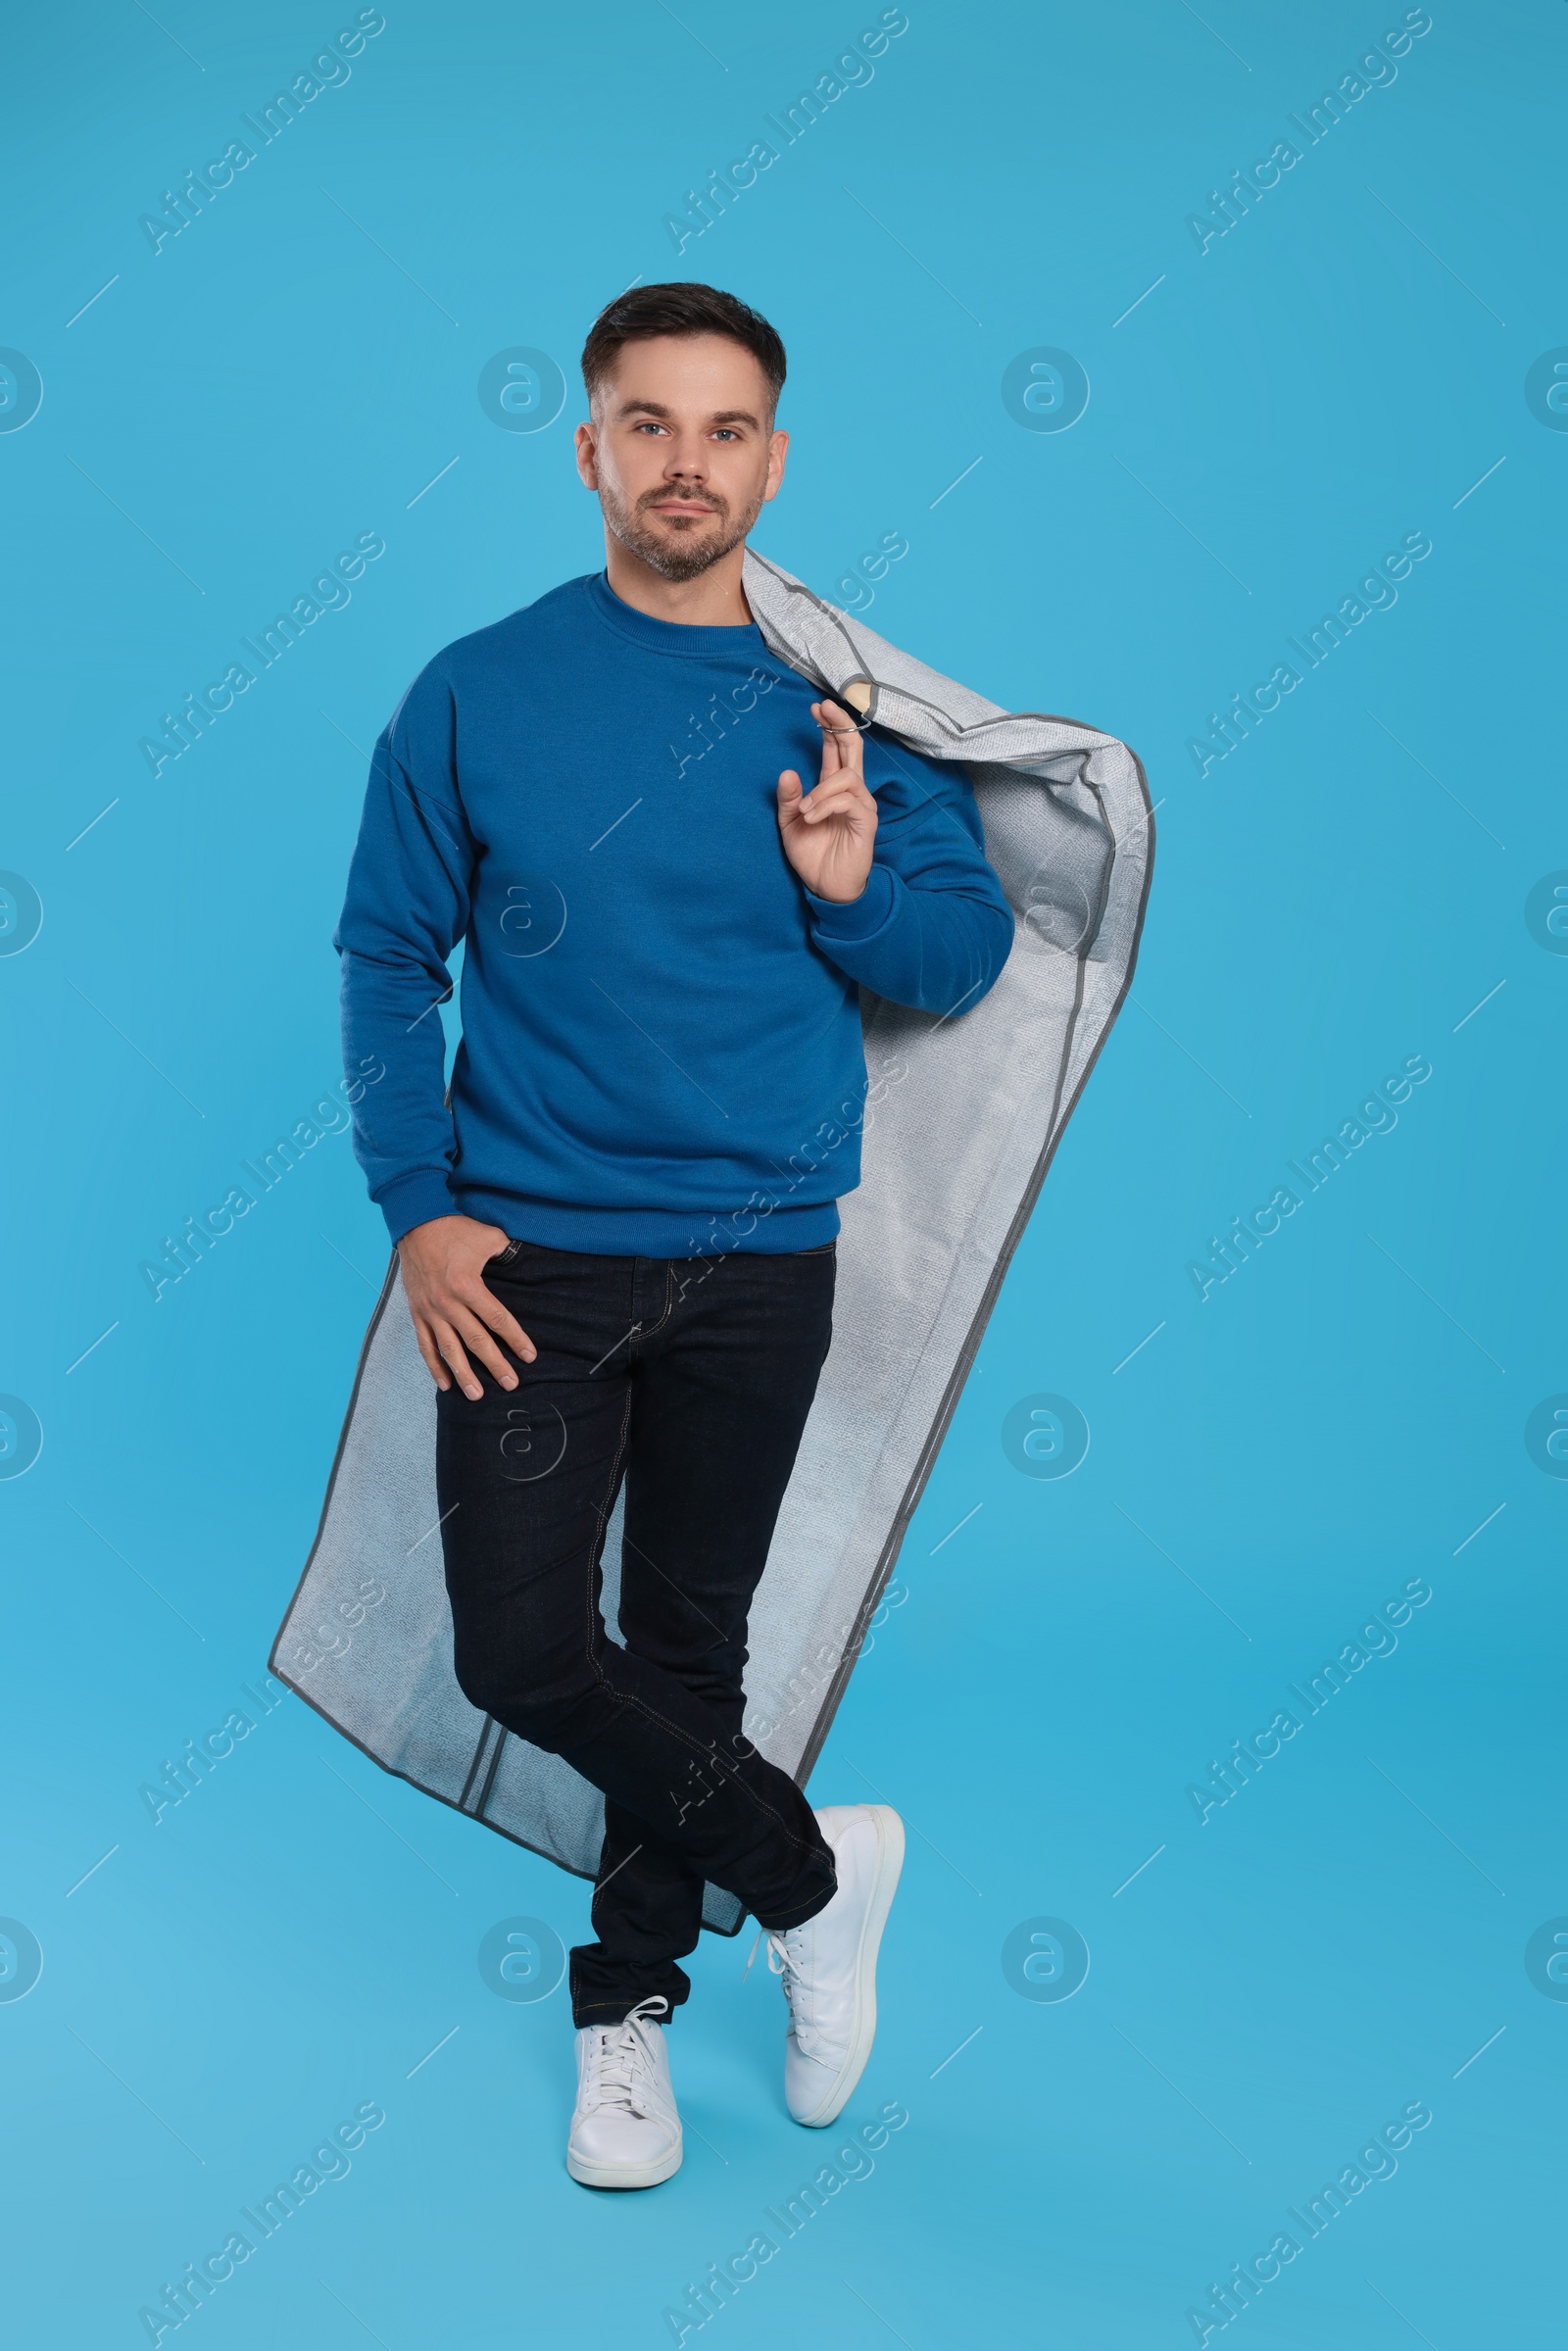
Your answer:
<point x="861" y="917"/>
<point x="415" y="1198"/>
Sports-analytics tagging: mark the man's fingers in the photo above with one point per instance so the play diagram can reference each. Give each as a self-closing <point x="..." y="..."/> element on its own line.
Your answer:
<point x="837" y="787"/>
<point x="451" y="1346"/>
<point x="448" y="1339"/>
<point x="842" y="745"/>
<point x="476" y="1337"/>
<point x="836" y="793"/>
<point x="431" y="1353"/>
<point x="464" y="1336"/>
<point x="833" y="718"/>
<point x="791" y="800"/>
<point x="492" y="1312"/>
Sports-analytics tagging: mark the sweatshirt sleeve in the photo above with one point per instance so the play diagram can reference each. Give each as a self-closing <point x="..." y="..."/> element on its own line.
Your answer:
<point x="932" y="928"/>
<point x="407" y="904"/>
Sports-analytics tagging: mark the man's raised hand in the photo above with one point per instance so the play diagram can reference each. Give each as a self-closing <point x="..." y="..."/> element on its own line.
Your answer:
<point x="828" y="832"/>
<point x="453" y="1310"/>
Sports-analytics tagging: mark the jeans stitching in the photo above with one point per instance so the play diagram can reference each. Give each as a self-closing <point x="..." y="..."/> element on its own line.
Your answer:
<point x="651" y="1330"/>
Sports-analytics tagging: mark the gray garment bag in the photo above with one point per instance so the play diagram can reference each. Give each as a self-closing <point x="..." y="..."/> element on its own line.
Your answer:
<point x="964" y="1111"/>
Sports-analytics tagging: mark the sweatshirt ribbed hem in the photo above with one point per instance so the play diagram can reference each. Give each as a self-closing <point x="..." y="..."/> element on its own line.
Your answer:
<point x="653" y="1232"/>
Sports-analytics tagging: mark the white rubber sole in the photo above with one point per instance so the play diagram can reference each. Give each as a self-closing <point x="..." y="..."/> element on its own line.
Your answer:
<point x="883" y="1884"/>
<point x="628" y="2174"/>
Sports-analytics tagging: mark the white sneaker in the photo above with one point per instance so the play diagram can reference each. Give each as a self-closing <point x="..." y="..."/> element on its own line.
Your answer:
<point x="829" y="1965"/>
<point x="625" y="2130"/>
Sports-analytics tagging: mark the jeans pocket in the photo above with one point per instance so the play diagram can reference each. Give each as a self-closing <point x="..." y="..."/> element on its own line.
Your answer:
<point x="505" y="1257"/>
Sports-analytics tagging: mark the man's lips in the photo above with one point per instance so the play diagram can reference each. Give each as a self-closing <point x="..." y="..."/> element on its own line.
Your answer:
<point x="683" y="506"/>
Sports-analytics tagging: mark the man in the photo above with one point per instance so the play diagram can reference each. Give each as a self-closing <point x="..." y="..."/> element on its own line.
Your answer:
<point x="616" y="1236"/>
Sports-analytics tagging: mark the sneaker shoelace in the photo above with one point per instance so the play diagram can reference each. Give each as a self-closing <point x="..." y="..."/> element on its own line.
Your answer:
<point x="621" y="2066"/>
<point x="786" y="1953"/>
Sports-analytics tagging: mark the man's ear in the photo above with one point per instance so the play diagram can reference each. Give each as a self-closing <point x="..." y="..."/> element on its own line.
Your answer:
<point x="586" y="443"/>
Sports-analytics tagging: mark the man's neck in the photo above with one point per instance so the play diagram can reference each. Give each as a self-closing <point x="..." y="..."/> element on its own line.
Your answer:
<point x="714" y="599"/>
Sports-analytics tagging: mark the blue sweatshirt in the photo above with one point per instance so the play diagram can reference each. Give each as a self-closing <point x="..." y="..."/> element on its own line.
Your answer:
<point x="661" y="1051"/>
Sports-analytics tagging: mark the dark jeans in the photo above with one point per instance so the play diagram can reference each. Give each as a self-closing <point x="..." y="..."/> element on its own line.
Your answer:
<point x="691" y="1377"/>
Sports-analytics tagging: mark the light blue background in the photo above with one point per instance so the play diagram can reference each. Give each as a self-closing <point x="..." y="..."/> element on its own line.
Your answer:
<point x="1339" y="893"/>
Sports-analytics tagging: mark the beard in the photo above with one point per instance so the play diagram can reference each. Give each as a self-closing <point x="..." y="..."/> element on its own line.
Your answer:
<point x="677" y="547"/>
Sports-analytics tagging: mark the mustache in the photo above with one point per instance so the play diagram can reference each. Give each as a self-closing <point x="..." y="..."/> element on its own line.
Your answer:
<point x="715" y="506"/>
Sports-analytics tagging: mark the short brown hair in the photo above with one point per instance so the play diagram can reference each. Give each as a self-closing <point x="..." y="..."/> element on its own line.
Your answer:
<point x="684" y="307"/>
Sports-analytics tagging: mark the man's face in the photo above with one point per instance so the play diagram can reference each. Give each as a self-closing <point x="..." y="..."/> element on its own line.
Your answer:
<point x="680" y="450"/>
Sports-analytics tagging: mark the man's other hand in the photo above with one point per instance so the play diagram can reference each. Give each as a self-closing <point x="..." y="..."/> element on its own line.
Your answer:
<point x="454" y="1311"/>
<point x="828" y="832"/>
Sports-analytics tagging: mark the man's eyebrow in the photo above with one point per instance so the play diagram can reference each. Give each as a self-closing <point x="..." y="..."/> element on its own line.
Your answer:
<point x="656" y="408"/>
